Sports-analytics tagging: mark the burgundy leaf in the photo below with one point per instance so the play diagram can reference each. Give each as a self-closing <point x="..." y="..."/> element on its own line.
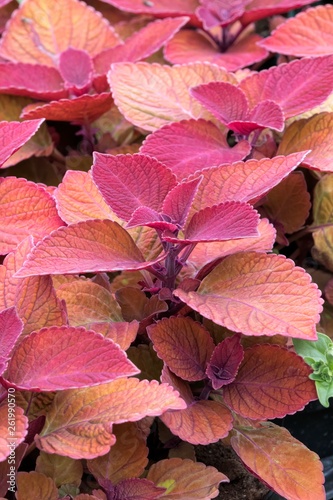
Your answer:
<point x="224" y="363"/>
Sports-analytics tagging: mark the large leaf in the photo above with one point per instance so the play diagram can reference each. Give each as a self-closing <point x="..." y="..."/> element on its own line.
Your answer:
<point x="187" y="354"/>
<point x="130" y="181"/>
<point x="48" y="29"/>
<point x="258" y="9"/>
<point x="296" y="87"/>
<point x="102" y="245"/>
<point x="59" y="358"/>
<point x="132" y="489"/>
<point x="79" y="422"/>
<point x="14" y="135"/>
<point x="25" y="209"/>
<point x="258" y="294"/>
<point x="196" y="144"/>
<point x="314" y="134"/>
<point x="281" y="461"/>
<point x="185" y="479"/>
<point x="13" y="427"/>
<point x="307" y="34"/>
<point x="152" y="95"/>
<point x="271" y="383"/>
<point x="160" y="8"/>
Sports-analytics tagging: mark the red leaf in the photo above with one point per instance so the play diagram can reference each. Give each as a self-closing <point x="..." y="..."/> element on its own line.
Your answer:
<point x="258" y="294"/>
<point x="25" y="209"/>
<point x="282" y="462"/>
<point x="64" y="358"/>
<point x="32" y="80"/>
<point x="220" y="222"/>
<point x="184" y="345"/>
<point x="10" y="329"/>
<point x="82" y="109"/>
<point x="271" y="383"/>
<point x="76" y="68"/>
<point x="224" y="362"/>
<point x="296" y="86"/>
<point x="102" y="245"/>
<point x="14" y="135"/>
<point x="196" y="144"/>
<point x="130" y="181"/>
<point x="258" y="9"/>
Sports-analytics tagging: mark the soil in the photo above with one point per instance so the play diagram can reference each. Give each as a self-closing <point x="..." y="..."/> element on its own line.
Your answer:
<point x="243" y="485"/>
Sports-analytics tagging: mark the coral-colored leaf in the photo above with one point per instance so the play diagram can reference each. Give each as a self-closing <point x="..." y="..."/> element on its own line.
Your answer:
<point x="14" y="135"/>
<point x="224" y="362"/>
<point x="243" y="181"/>
<point x="88" y="302"/>
<point x="196" y="144"/>
<point x="127" y="458"/>
<point x="103" y="246"/>
<point x="60" y="358"/>
<point x="283" y="462"/>
<point x="296" y="87"/>
<point x="314" y="134"/>
<point x="186" y="480"/>
<point x="204" y="253"/>
<point x="258" y="9"/>
<point x="141" y="44"/>
<point x="123" y="333"/>
<point x="184" y="345"/>
<point x="10" y="329"/>
<point x="39" y="31"/>
<point x="31" y="485"/>
<point x="191" y="46"/>
<point x="13" y="427"/>
<point x="25" y="209"/>
<point x="31" y="80"/>
<point x="82" y="109"/>
<point x="63" y="470"/>
<point x="271" y="383"/>
<point x="79" y="422"/>
<point x="258" y="294"/>
<point x="202" y="422"/>
<point x="76" y="68"/>
<point x="307" y="34"/>
<point x="288" y="204"/>
<point x="78" y="199"/>
<point x="130" y="181"/>
<point x="158" y="8"/>
<point x="152" y="95"/>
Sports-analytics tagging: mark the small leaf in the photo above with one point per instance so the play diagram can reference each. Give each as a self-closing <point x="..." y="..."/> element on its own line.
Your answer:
<point x="224" y="362"/>
<point x="31" y="485"/>
<point x="60" y="358"/>
<point x="258" y="294"/>
<point x="271" y="383"/>
<point x="132" y="489"/>
<point x="14" y="135"/>
<point x="178" y="201"/>
<point x="282" y="462"/>
<point x="76" y="68"/>
<point x="196" y="144"/>
<point x="103" y="246"/>
<point x="185" y="479"/>
<point x="79" y="422"/>
<point x="13" y="427"/>
<point x="184" y="345"/>
<point x="131" y="181"/>
<point x="152" y="95"/>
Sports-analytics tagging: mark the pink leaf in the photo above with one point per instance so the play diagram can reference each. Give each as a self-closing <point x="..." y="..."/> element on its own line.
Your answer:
<point x="258" y="9"/>
<point x="296" y="86"/>
<point x="178" y="201"/>
<point x="130" y="181"/>
<point x="85" y="247"/>
<point x="196" y="144"/>
<point x="10" y="329"/>
<point x="224" y="363"/>
<point x="145" y="216"/>
<point x="14" y="135"/>
<point x="159" y="8"/>
<point x="220" y="12"/>
<point x="76" y="68"/>
<point x="220" y="222"/>
<point x="60" y="358"/>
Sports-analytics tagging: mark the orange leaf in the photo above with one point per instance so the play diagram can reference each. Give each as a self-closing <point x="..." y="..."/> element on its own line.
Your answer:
<point x="13" y="427"/>
<point x="136" y="305"/>
<point x="185" y="479"/>
<point x="127" y="458"/>
<point x="32" y="485"/>
<point x="63" y="470"/>
<point x="323" y="247"/>
<point x="25" y="209"/>
<point x="151" y="95"/>
<point x="122" y="333"/>
<point x="323" y="200"/>
<point x="258" y="294"/>
<point x="314" y="134"/>
<point x="39" y="31"/>
<point x="79" y="422"/>
<point x="79" y="199"/>
<point x="310" y="33"/>
<point x="281" y="461"/>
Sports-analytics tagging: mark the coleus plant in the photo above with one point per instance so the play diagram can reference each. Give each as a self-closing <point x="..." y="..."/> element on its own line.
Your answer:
<point x="147" y="287"/>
